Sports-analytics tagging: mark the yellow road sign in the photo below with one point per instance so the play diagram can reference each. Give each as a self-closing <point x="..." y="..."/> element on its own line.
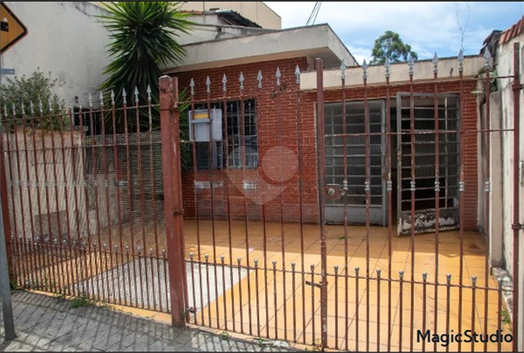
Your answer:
<point x="15" y="28"/>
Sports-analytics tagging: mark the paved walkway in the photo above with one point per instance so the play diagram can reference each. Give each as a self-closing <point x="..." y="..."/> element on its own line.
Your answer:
<point x="48" y="324"/>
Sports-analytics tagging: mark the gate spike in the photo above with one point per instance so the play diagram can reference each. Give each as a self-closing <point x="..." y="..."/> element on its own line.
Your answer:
<point x="192" y="86"/>
<point x="424" y="276"/>
<point x="41" y="106"/>
<point x="297" y="74"/>
<point x="208" y="84"/>
<point x="148" y="91"/>
<point x="379" y="271"/>
<point x="14" y="110"/>
<point x="336" y="269"/>
<point x="473" y="280"/>
<point x="387" y="65"/>
<point x="448" y="278"/>
<point x="206" y="256"/>
<point x="277" y="75"/>
<point x="461" y="60"/>
<point x="411" y="62"/>
<point x="239" y="259"/>
<point x="101" y="97"/>
<point x="365" y="69"/>
<point x="124" y="96"/>
<point x="112" y="97"/>
<point x="136" y="94"/>
<point x="22" y="107"/>
<point x="90" y="98"/>
<point x="241" y="79"/>
<point x="222" y="258"/>
<point x="259" y="79"/>
<point x="343" y="70"/>
<point x="50" y="107"/>
<point x="191" y="256"/>
<point x="435" y="63"/>
<point x="31" y="108"/>
<point x="357" y="270"/>
<point x="487" y="56"/>
<point x="256" y="263"/>
<point x="401" y="274"/>
<point x="224" y="82"/>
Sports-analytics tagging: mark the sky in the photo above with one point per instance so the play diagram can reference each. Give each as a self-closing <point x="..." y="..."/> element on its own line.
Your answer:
<point x="428" y="27"/>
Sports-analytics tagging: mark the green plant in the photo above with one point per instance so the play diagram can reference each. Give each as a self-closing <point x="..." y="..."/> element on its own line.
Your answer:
<point x="19" y="94"/>
<point x="81" y="301"/>
<point x="143" y="35"/>
<point x="506" y="318"/>
<point x="225" y="335"/>
<point x="60" y="296"/>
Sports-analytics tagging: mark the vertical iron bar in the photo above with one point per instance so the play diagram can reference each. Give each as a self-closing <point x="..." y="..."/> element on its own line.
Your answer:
<point x="437" y="193"/>
<point x="357" y="308"/>
<point x="222" y="259"/>
<point x="36" y="261"/>
<point x="487" y="197"/>
<point x="368" y="196"/>
<point x="16" y="241"/>
<point x="389" y="201"/>
<point x="240" y="296"/>
<point x="312" y="304"/>
<point x="49" y="268"/>
<point x="211" y="161"/>
<point x="516" y="198"/>
<point x="11" y="265"/>
<point x="321" y="151"/>
<point x="116" y="158"/>
<point x="378" y="309"/>
<point x="413" y="186"/>
<point x="424" y="292"/>
<point x="142" y="201"/>
<point x="336" y="306"/>
<point x="346" y="254"/>
<point x="293" y="284"/>
<point x="191" y="259"/>
<point x="448" y="301"/>
<point x="275" y="297"/>
<point x="473" y="290"/>
<point x="499" y="313"/>
<point x="400" y="309"/>
<point x="257" y="298"/>
<point x="461" y="199"/>
<point x="26" y="259"/>
<point x="170" y="130"/>
<point x="208" y="290"/>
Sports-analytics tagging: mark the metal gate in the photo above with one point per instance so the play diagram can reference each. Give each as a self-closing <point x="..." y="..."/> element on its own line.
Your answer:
<point x="233" y="235"/>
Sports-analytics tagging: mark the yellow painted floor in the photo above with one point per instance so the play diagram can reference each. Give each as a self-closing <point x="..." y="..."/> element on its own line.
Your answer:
<point x="277" y="299"/>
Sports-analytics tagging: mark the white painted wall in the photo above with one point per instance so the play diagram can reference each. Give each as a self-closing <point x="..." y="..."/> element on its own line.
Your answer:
<point x="65" y="39"/>
<point x="505" y="67"/>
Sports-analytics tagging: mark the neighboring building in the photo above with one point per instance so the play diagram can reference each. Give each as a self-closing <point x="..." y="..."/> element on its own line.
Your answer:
<point x="502" y="163"/>
<point x="65" y="40"/>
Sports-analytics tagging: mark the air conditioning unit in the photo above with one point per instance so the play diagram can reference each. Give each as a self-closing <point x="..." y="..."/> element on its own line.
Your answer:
<point x="205" y="125"/>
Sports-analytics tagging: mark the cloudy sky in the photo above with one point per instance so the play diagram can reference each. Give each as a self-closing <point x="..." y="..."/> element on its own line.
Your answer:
<point x="428" y="27"/>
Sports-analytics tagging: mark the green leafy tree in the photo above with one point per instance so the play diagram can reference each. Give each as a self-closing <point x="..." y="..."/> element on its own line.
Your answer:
<point x="36" y="91"/>
<point x="143" y="35"/>
<point x="390" y="46"/>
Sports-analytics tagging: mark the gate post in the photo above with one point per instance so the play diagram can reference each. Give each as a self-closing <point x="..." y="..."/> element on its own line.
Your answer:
<point x="321" y="166"/>
<point x="5" y="208"/>
<point x="174" y="214"/>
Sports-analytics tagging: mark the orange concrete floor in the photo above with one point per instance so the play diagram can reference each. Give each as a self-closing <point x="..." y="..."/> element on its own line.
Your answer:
<point x="277" y="300"/>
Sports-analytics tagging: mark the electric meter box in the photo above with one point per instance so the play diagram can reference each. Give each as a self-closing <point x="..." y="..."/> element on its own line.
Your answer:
<point x="205" y="125"/>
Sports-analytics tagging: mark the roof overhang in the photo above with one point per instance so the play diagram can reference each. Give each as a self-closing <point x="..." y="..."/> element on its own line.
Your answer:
<point x="317" y="41"/>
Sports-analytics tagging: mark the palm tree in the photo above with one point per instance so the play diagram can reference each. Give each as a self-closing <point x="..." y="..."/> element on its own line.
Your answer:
<point x="143" y="35"/>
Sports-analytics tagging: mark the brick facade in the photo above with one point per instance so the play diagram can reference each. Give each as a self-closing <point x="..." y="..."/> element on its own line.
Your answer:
<point x="278" y="108"/>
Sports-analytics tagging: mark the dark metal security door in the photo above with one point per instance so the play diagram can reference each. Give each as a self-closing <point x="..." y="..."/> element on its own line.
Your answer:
<point x="419" y="179"/>
<point x="346" y="170"/>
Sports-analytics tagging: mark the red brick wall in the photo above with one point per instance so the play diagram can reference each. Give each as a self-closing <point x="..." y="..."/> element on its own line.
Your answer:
<point x="277" y="113"/>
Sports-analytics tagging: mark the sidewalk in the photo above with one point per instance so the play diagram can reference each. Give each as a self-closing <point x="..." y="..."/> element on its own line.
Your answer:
<point x="47" y="324"/>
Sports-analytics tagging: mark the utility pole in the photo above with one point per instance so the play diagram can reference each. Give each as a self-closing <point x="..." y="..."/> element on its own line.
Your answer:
<point x="5" y="286"/>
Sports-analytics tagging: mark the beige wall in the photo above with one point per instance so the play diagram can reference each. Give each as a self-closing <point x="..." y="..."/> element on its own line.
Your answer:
<point x="255" y="11"/>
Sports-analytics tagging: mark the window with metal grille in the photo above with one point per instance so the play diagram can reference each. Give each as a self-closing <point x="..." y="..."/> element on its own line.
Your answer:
<point x="240" y="130"/>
